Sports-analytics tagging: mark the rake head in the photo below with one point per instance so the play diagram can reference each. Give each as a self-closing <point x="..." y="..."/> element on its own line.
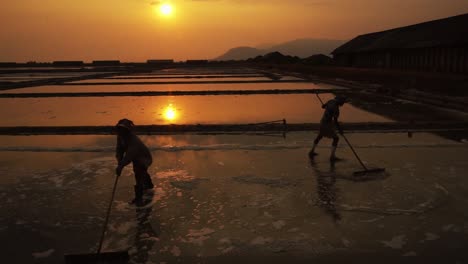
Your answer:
<point x="118" y="257"/>
<point x="369" y="171"/>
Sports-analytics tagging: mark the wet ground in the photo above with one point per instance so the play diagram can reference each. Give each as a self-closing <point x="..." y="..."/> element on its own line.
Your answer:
<point x="249" y="196"/>
<point x="232" y="198"/>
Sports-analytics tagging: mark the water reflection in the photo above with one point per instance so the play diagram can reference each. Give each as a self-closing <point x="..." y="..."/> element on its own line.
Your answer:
<point x="326" y="189"/>
<point x="147" y="231"/>
<point x="170" y="113"/>
<point x="295" y="108"/>
<point x="167" y="87"/>
<point x="178" y="81"/>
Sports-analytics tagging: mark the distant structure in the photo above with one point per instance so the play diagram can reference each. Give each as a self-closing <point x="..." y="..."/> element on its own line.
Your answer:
<point x="67" y="63"/>
<point x="196" y="62"/>
<point x="160" y="62"/>
<point x="7" y="64"/>
<point x="434" y="46"/>
<point x="106" y="63"/>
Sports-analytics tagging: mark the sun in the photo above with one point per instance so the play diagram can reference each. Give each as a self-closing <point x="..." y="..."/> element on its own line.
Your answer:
<point x="166" y="9"/>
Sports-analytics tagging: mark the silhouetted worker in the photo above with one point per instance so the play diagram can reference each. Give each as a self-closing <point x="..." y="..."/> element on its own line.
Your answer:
<point x="329" y="124"/>
<point x="130" y="149"/>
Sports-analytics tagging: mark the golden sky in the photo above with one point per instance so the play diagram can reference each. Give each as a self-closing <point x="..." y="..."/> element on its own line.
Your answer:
<point x="136" y="30"/>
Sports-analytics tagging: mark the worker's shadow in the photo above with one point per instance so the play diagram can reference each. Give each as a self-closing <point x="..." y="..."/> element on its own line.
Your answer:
<point x="147" y="232"/>
<point x="326" y="189"/>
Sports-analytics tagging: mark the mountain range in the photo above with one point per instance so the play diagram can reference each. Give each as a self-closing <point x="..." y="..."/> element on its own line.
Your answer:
<point x="300" y="47"/>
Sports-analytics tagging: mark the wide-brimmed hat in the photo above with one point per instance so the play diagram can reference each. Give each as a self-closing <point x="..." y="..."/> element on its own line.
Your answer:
<point x="341" y="99"/>
<point x="125" y="123"/>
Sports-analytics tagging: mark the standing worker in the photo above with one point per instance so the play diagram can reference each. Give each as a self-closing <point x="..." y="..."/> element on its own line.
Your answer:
<point x="130" y="149"/>
<point x="329" y="124"/>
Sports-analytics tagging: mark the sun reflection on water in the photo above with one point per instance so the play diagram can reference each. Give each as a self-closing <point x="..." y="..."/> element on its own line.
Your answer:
<point x="170" y="113"/>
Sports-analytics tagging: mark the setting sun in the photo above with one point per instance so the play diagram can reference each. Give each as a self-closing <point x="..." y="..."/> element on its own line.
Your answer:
<point x="166" y="9"/>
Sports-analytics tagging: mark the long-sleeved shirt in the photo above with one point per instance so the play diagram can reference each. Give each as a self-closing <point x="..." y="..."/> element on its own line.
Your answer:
<point x="332" y="111"/>
<point x="132" y="149"/>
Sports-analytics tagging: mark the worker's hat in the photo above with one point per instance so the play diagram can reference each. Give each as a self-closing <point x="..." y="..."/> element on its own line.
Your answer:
<point x="125" y="123"/>
<point x="341" y="99"/>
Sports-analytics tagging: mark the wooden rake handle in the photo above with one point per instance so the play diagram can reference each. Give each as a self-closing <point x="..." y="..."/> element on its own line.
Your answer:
<point x="104" y="229"/>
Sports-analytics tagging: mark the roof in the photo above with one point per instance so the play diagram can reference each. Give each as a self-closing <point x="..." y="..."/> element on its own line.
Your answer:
<point x="443" y="32"/>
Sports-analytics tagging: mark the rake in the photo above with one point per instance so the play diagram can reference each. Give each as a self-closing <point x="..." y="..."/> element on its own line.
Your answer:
<point x="116" y="257"/>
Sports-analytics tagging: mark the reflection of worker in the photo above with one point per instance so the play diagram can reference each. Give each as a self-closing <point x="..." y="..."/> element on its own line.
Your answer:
<point x="328" y="124"/>
<point x="326" y="190"/>
<point x="147" y="232"/>
<point x="130" y="149"/>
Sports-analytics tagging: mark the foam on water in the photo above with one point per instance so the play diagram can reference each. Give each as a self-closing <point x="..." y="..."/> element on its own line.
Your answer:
<point x="396" y="242"/>
<point x="225" y="147"/>
<point x="43" y="254"/>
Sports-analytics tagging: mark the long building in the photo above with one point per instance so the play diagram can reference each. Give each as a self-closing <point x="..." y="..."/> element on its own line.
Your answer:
<point x="106" y="63"/>
<point x="68" y="63"/>
<point x="160" y="61"/>
<point x="434" y="46"/>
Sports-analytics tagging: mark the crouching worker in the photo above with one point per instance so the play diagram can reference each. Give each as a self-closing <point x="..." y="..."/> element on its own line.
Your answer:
<point x="130" y="149"/>
<point x="329" y="124"/>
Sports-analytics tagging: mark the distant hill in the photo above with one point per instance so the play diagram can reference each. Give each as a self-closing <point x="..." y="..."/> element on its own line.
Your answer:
<point x="302" y="48"/>
<point x="318" y="59"/>
<point x="241" y="53"/>
<point x="275" y="57"/>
